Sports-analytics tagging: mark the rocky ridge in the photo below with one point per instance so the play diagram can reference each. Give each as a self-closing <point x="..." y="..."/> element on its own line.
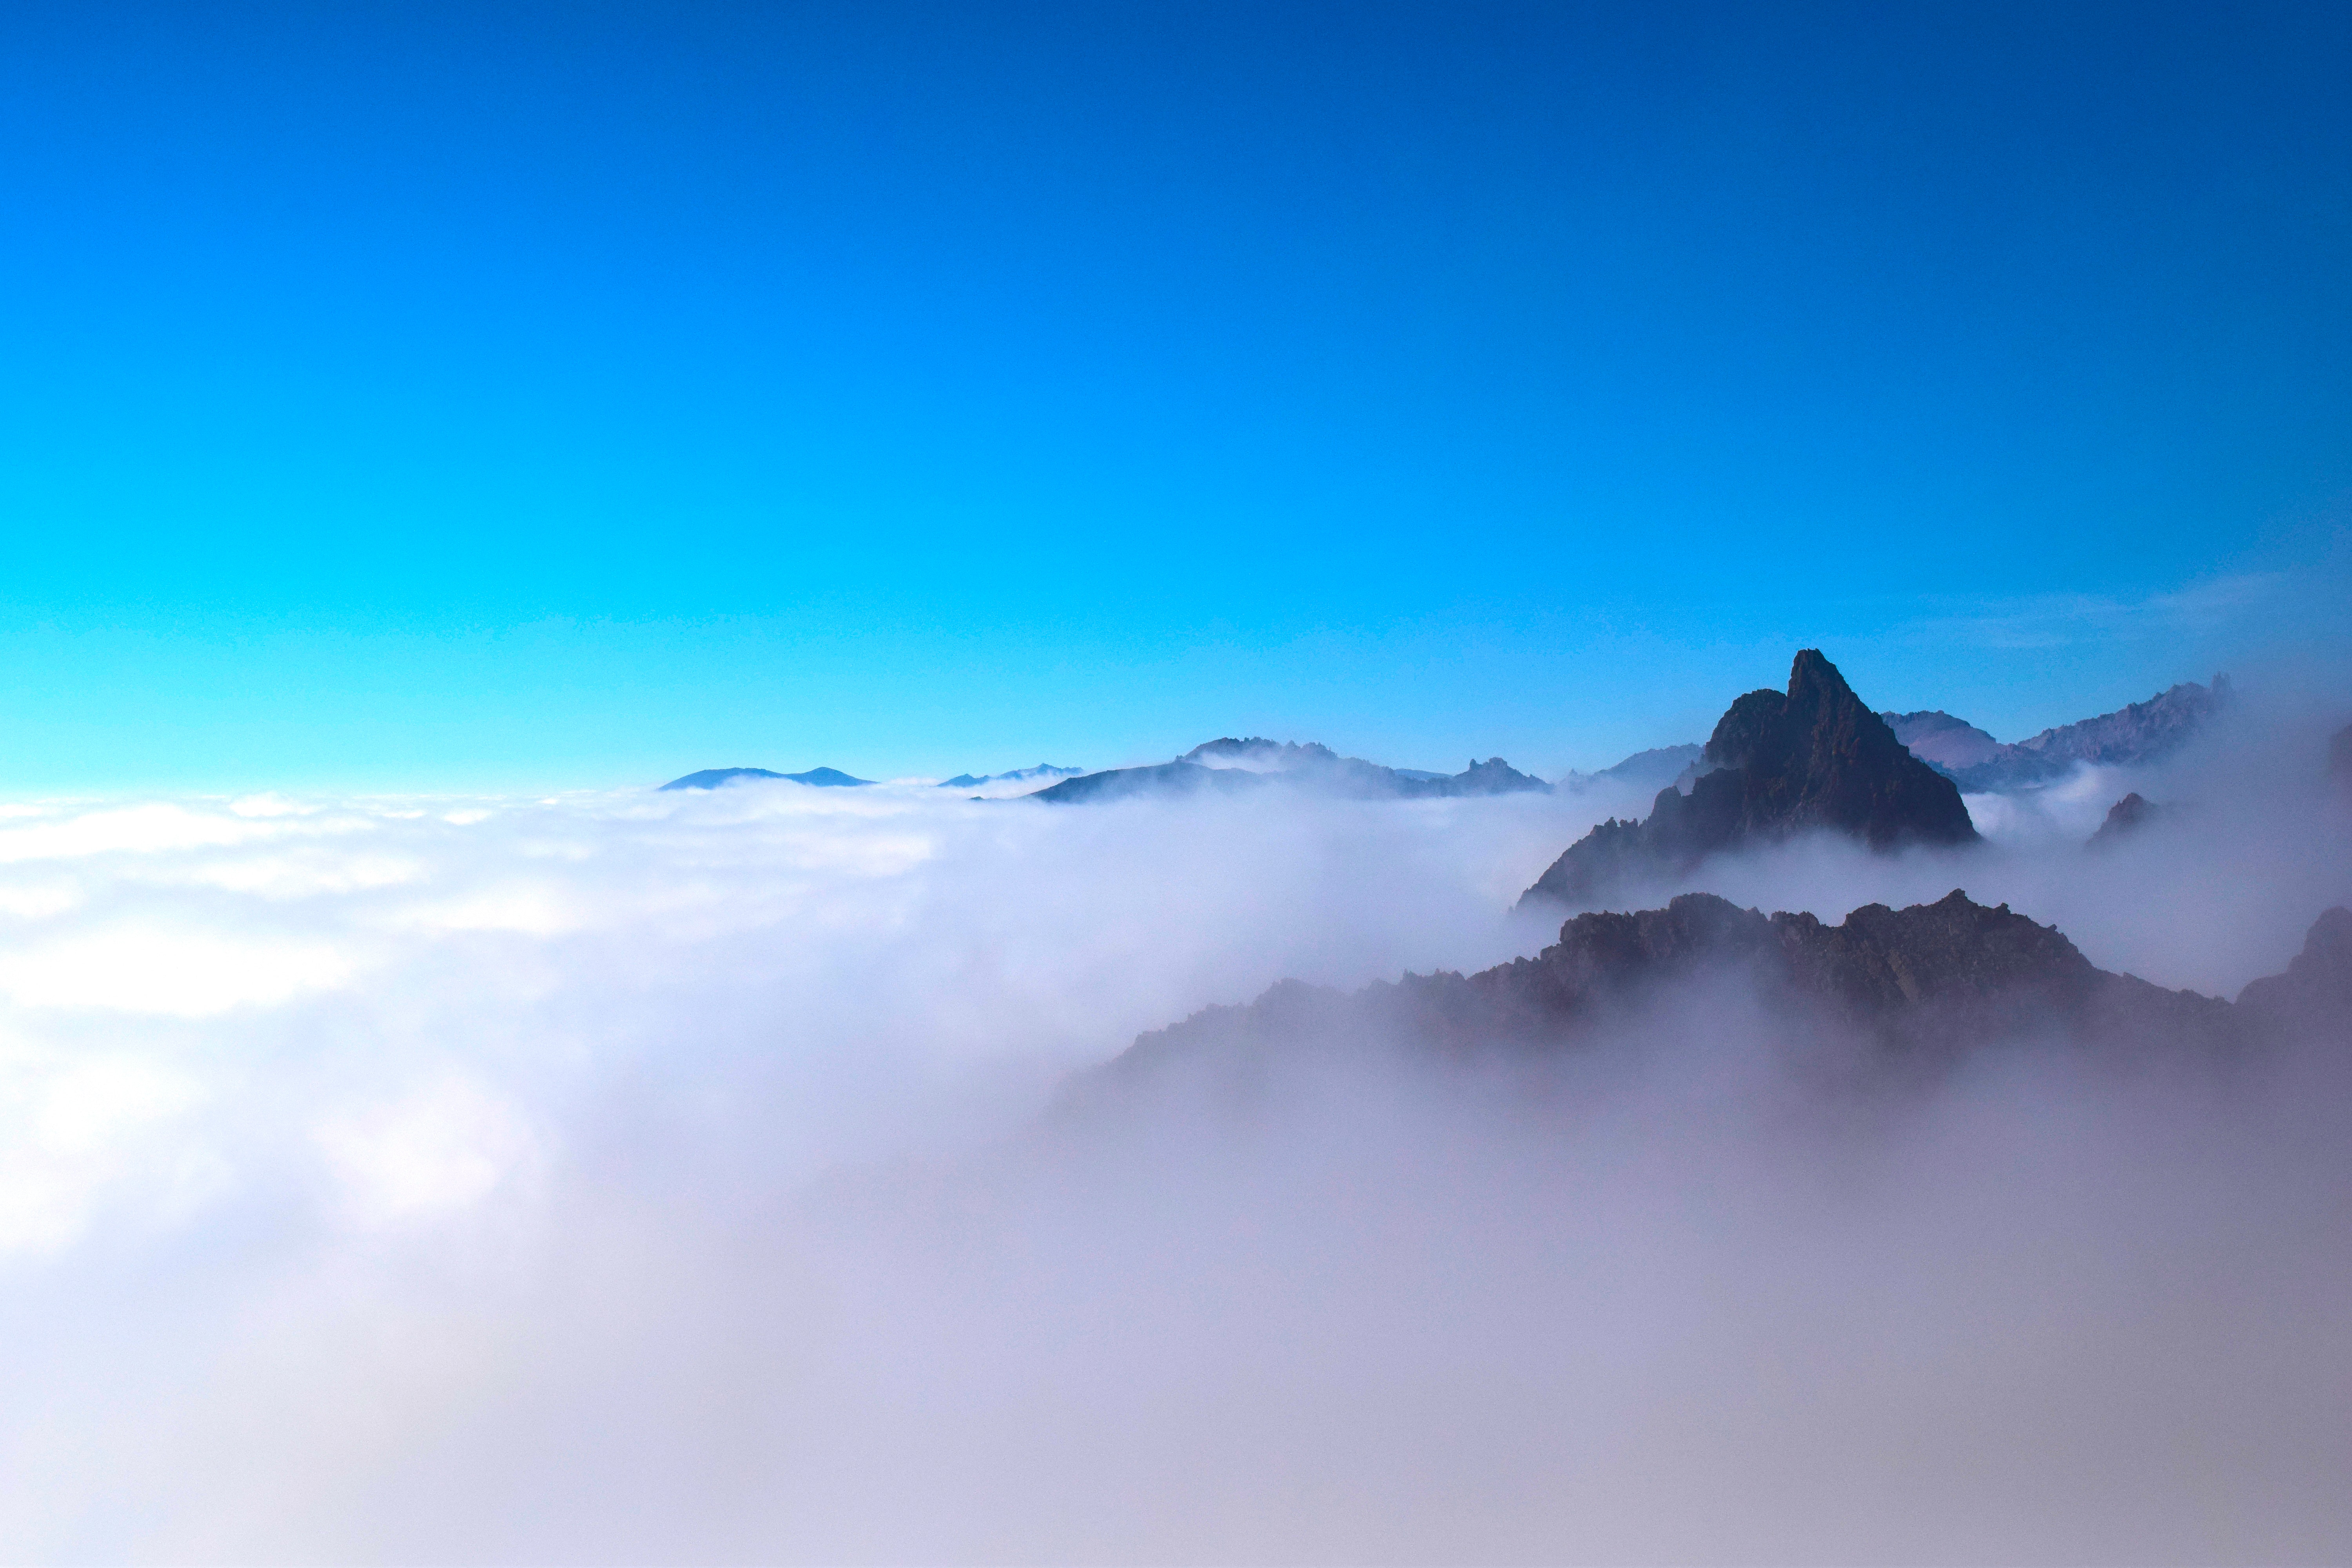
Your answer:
<point x="1912" y="988"/>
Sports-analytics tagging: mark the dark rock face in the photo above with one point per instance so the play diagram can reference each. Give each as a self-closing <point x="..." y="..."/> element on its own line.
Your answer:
<point x="1780" y="763"/>
<point x="1913" y="988"/>
<point x="2140" y="732"/>
<point x="1230" y="765"/>
<point x="2126" y="817"/>
<point x="712" y="778"/>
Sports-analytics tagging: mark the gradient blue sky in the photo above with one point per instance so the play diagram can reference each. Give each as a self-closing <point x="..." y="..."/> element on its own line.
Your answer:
<point x="530" y="396"/>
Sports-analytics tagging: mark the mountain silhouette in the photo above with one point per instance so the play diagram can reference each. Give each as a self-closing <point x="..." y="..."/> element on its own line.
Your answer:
<point x="1813" y="757"/>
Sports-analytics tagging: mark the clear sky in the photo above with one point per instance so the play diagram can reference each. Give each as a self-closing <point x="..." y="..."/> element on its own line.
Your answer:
<point x="552" y="395"/>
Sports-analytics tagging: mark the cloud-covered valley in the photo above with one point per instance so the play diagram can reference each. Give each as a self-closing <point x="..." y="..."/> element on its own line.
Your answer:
<point x="636" y="1177"/>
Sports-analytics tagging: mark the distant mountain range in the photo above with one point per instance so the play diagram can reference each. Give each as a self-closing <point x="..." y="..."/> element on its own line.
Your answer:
<point x="712" y="778"/>
<point x="2141" y="733"/>
<point x="1951" y="746"/>
<point x="1228" y="766"/>
<point x="1018" y="775"/>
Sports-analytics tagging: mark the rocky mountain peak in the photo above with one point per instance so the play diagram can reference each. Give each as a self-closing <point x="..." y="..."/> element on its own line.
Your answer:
<point x="1814" y="757"/>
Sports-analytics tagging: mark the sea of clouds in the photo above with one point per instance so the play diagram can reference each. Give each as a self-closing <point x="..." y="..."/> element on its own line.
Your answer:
<point x="641" y="1176"/>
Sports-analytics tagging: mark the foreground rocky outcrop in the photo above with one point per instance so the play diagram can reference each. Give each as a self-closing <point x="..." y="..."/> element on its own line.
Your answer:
<point x="1909" y="990"/>
<point x="1813" y="757"/>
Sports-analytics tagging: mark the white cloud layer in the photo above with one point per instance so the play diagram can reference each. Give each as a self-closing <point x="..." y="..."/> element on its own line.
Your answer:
<point x="646" y="1177"/>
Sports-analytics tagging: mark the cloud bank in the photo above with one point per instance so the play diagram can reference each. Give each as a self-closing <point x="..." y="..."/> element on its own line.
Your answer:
<point x="642" y="1178"/>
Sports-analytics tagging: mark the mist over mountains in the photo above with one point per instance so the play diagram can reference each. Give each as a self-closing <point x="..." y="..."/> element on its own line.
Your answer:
<point x="1241" y="1171"/>
<point x="1886" y="993"/>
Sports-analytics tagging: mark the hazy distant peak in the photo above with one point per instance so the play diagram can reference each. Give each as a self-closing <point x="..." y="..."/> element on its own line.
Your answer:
<point x="1941" y="739"/>
<point x="1649" y="771"/>
<point x="712" y="778"/>
<point x="2136" y="733"/>
<point x="1018" y="775"/>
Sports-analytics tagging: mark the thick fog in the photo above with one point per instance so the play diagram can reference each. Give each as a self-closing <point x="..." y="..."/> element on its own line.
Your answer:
<point x="662" y="1178"/>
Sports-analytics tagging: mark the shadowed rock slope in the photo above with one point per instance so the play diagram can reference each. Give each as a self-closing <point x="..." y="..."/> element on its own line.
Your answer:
<point x="1911" y="989"/>
<point x="1779" y="762"/>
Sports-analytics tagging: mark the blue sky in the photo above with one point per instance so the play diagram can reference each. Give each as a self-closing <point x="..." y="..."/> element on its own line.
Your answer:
<point x="536" y="395"/>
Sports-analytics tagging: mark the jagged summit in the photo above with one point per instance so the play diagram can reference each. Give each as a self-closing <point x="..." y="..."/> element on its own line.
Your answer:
<point x="1778" y="763"/>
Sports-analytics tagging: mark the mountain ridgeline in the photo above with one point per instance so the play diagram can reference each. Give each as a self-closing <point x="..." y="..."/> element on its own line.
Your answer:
<point x="1813" y="757"/>
<point x="1232" y="766"/>
<point x="2136" y="733"/>
<point x="1905" y="992"/>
